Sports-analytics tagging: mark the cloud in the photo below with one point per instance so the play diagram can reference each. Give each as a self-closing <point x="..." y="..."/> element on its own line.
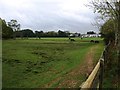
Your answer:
<point x="71" y="15"/>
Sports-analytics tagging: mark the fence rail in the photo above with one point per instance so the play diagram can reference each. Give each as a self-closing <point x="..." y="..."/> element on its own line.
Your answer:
<point x="88" y="83"/>
<point x="95" y="79"/>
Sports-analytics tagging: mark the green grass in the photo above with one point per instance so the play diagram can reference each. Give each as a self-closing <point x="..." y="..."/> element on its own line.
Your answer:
<point x="98" y="53"/>
<point x="35" y="62"/>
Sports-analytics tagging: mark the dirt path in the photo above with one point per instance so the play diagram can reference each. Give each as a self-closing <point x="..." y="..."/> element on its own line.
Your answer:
<point x="89" y="61"/>
<point x="73" y="79"/>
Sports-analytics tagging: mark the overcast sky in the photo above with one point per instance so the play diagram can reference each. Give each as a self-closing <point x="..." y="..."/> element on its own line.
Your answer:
<point x="50" y="15"/>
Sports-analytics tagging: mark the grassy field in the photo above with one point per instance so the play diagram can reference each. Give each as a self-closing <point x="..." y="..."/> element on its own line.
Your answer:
<point x="33" y="63"/>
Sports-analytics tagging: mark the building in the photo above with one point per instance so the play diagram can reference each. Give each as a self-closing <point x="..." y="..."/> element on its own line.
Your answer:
<point x="90" y="35"/>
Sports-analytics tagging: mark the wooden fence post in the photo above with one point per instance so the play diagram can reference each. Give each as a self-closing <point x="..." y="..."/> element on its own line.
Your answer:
<point x="89" y="83"/>
<point x="101" y="73"/>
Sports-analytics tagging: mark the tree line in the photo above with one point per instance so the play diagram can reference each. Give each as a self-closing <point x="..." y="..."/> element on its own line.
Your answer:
<point x="12" y="30"/>
<point x="39" y="34"/>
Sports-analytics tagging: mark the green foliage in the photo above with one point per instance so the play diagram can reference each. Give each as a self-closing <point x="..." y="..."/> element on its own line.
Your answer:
<point x="111" y="68"/>
<point x="27" y="33"/>
<point x="111" y="32"/>
<point x="7" y="32"/>
<point x="62" y="33"/>
<point x="91" y="32"/>
<point x="108" y="31"/>
<point x="39" y="34"/>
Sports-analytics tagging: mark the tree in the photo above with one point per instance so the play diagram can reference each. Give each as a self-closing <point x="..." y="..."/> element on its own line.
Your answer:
<point x="110" y="9"/>
<point x="63" y="33"/>
<point x="27" y="33"/>
<point x="91" y="32"/>
<point x="14" y="25"/>
<point x="39" y="34"/>
<point x="7" y="32"/>
<point x="107" y="31"/>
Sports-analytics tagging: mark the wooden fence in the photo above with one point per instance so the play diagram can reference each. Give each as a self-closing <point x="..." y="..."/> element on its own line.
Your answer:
<point x="95" y="79"/>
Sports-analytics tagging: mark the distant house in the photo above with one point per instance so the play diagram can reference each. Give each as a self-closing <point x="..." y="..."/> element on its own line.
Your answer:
<point x="90" y="35"/>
